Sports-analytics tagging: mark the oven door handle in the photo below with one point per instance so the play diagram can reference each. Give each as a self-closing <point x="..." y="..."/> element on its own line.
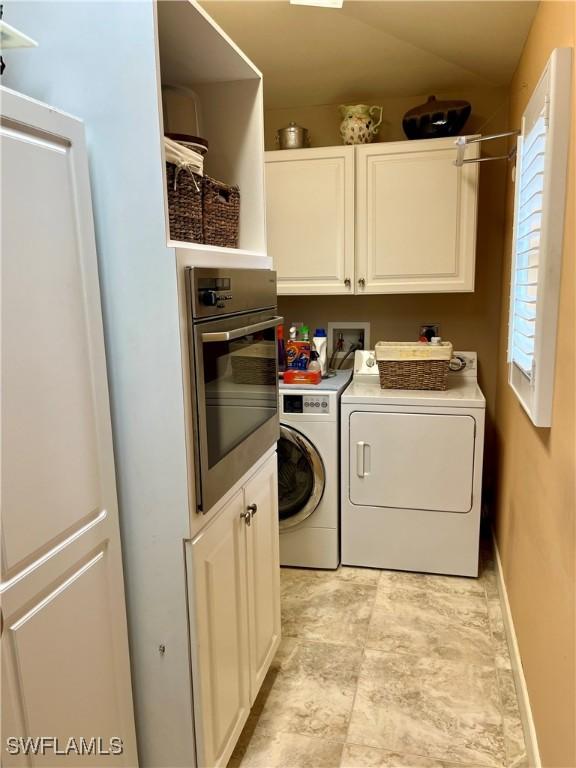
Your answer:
<point x="237" y="333"/>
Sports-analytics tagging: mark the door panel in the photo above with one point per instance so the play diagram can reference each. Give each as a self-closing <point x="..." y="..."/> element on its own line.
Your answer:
<point x="59" y="651"/>
<point x="222" y="700"/>
<point x="416" y="218"/>
<point x="51" y="482"/>
<point x="412" y="461"/>
<point x="310" y="219"/>
<point x="263" y="572"/>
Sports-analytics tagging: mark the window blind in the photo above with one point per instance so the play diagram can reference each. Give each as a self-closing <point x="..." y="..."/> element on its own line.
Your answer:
<point x="529" y="207"/>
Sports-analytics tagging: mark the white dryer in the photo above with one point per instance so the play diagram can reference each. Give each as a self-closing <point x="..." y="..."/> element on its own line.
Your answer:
<point x="412" y="472"/>
<point x="309" y="472"/>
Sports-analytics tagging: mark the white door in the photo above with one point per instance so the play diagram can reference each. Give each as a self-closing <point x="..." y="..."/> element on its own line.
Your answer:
<point x="64" y="641"/>
<point x="310" y="219"/>
<point x="416" y="218"/>
<point x="412" y="460"/>
<point x="221" y="657"/>
<point x="261" y="499"/>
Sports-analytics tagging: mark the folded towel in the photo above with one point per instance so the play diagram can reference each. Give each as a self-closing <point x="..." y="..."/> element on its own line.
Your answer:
<point x="183" y="158"/>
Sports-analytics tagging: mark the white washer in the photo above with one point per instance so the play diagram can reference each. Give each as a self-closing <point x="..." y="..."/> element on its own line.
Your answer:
<point x="412" y="472"/>
<point x="309" y="472"/>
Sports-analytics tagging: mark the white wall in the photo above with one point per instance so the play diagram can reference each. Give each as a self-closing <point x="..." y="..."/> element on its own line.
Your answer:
<point x="96" y="60"/>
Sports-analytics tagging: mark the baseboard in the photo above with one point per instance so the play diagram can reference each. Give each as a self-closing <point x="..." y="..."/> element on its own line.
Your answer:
<point x="519" y="680"/>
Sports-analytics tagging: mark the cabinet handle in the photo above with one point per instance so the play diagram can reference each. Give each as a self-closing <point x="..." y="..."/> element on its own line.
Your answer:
<point x="246" y="516"/>
<point x="347" y="282"/>
<point x="362" y="282"/>
<point x="252" y="508"/>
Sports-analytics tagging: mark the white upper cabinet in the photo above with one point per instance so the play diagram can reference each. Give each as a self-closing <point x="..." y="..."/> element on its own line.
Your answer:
<point x="416" y="218"/>
<point x="310" y="219"/>
<point x="394" y="217"/>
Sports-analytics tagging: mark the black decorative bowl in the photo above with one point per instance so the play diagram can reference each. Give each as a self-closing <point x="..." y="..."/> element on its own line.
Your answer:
<point x="436" y="119"/>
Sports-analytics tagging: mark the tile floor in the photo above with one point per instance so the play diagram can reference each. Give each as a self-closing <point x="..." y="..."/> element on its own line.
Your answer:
<point x="382" y="669"/>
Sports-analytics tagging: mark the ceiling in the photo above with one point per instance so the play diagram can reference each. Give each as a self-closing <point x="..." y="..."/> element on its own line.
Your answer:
<point x="393" y="48"/>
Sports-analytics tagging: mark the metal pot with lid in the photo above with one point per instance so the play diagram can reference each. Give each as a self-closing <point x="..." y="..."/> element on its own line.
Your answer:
<point x="292" y="137"/>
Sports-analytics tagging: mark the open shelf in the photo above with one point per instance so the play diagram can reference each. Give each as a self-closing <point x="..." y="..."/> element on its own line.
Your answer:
<point x="194" y="53"/>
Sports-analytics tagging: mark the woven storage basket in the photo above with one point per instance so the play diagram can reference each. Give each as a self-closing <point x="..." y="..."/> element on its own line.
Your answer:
<point x="221" y="213"/>
<point x="255" y="365"/>
<point x="184" y="204"/>
<point x="404" y="365"/>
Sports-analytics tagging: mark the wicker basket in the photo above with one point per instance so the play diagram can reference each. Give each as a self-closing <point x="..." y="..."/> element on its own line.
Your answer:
<point x="184" y="204"/>
<point x="404" y="365"/>
<point x="255" y="365"/>
<point x="221" y="213"/>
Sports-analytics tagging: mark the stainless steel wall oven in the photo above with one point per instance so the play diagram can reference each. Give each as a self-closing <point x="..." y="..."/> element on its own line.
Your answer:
<point x="234" y="374"/>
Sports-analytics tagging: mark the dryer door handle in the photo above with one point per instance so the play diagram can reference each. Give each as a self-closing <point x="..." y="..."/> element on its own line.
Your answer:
<point x="362" y="458"/>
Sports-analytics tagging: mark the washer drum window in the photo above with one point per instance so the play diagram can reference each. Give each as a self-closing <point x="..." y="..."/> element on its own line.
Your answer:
<point x="301" y="477"/>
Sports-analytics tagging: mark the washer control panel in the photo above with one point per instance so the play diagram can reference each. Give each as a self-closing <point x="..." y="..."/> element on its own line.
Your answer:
<point x="316" y="404"/>
<point x="309" y="404"/>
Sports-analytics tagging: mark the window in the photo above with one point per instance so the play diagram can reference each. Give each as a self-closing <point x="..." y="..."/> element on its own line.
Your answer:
<point x="540" y="199"/>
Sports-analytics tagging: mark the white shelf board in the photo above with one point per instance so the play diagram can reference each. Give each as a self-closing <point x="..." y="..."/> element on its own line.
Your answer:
<point x="213" y="57"/>
<point x="10" y="37"/>
<point x="200" y="255"/>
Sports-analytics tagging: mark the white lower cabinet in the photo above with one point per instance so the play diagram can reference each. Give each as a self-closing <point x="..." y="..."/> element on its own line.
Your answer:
<point x="235" y="612"/>
<point x="222" y="679"/>
<point x="263" y="561"/>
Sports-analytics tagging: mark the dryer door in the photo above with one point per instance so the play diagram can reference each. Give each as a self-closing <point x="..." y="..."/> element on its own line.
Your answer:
<point x="301" y="477"/>
<point x="412" y="460"/>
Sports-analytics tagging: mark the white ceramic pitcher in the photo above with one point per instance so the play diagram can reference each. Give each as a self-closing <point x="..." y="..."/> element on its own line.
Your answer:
<point x="358" y="125"/>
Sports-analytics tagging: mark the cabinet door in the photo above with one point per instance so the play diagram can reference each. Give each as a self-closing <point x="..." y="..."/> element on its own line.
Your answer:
<point x="416" y="218"/>
<point x="261" y="497"/>
<point x="64" y="640"/>
<point x="220" y="634"/>
<point x="310" y="219"/>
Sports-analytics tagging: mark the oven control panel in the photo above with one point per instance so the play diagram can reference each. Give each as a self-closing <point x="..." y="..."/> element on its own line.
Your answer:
<point x="214" y="292"/>
<point x="211" y="298"/>
<point x="312" y="404"/>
